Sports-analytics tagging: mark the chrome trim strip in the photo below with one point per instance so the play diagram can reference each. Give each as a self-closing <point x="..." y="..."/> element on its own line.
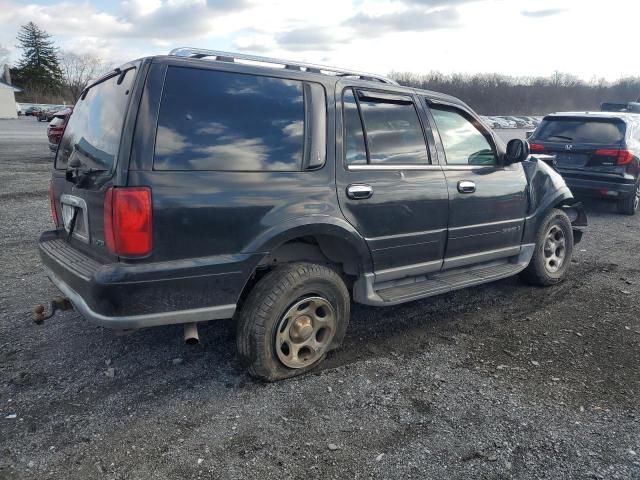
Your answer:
<point x="368" y="168"/>
<point x="403" y="235"/>
<point x="140" y="321"/>
<point x="501" y="222"/>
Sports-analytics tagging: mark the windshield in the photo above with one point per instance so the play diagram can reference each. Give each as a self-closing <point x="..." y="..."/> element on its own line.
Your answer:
<point x="93" y="132"/>
<point x="582" y="130"/>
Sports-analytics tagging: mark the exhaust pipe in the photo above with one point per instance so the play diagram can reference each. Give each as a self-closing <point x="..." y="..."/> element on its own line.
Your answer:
<point x="191" y="334"/>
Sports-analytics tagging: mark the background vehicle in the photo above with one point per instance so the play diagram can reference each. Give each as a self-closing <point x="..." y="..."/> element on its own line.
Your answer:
<point x="46" y="114"/>
<point x="596" y="153"/>
<point x="56" y="127"/>
<point x="176" y="209"/>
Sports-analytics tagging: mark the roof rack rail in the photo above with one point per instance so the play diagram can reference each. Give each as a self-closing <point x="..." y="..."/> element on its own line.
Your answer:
<point x="287" y="64"/>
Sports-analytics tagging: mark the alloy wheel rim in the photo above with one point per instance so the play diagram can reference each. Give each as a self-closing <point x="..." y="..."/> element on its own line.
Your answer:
<point x="554" y="249"/>
<point x="305" y="332"/>
<point x="636" y="200"/>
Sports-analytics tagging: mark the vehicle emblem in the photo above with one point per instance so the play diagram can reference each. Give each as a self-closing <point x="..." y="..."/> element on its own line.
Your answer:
<point x="568" y="147"/>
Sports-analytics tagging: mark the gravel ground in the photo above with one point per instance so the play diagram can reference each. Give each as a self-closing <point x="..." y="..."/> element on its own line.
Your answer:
<point x="496" y="381"/>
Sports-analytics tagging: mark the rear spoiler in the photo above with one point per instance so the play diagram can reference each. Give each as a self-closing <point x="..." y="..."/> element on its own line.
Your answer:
<point x="630" y="107"/>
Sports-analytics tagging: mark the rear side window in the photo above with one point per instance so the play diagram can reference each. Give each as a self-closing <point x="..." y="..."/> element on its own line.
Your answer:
<point x="599" y="131"/>
<point x="392" y="132"/>
<point x="212" y="120"/>
<point x="463" y="142"/>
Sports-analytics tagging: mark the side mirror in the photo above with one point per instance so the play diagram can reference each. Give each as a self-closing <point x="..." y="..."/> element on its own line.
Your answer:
<point x="517" y="151"/>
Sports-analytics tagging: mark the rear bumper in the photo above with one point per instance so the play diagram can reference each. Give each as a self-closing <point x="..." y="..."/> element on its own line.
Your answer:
<point x="131" y="296"/>
<point x="600" y="186"/>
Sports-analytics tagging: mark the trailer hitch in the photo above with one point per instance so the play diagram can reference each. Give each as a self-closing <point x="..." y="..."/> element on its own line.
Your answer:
<point x="57" y="303"/>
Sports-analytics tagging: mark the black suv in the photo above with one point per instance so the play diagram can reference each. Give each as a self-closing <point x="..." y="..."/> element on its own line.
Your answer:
<point x="194" y="186"/>
<point x="595" y="152"/>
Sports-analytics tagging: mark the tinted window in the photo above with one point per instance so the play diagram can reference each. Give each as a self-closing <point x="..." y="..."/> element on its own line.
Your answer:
<point x="463" y="143"/>
<point x="94" y="129"/>
<point x="355" y="151"/>
<point x="228" y="121"/>
<point x="581" y="131"/>
<point x="394" y="134"/>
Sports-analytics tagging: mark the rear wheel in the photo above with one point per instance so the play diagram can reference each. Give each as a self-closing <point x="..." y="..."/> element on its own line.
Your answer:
<point x="629" y="205"/>
<point x="292" y="317"/>
<point x="553" y="250"/>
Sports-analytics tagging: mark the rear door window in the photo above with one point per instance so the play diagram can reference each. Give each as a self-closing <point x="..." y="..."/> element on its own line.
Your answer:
<point x="571" y="130"/>
<point x="392" y="132"/>
<point x="464" y="143"/>
<point x="213" y="120"/>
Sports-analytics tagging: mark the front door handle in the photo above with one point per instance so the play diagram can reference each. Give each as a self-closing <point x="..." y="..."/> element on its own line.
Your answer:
<point x="466" y="186"/>
<point x="359" y="191"/>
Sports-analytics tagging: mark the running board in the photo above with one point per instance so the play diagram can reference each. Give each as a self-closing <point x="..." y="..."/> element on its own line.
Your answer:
<point x="367" y="291"/>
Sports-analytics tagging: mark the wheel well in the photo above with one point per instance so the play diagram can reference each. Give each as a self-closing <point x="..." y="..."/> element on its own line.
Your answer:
<point x="323" y="249"/>
<point x="317" y="248"/>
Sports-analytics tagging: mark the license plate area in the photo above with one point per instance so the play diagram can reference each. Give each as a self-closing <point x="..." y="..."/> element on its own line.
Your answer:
<point x="571" y="159"/>
<point x="71" y="204"/>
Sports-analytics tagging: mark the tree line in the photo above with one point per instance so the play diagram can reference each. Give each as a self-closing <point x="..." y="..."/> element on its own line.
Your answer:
<point x="494" y="94"/>
<point x="47" y="74"/>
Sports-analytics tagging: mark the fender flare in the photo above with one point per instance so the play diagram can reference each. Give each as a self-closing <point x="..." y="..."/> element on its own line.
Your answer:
<point x="312" y="225"/>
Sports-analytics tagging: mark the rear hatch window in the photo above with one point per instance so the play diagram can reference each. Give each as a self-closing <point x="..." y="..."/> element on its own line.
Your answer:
<point x="579" y="143"/>
<point x="582" y="130"/>
<point x="94" y="129"/>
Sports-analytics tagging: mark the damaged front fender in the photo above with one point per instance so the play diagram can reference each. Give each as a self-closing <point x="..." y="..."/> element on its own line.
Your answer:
<point x="547" y="189"/>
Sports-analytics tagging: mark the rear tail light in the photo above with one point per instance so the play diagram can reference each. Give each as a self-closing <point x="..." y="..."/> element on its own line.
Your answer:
<point x="536" y="147"/>
<point x="52" y="203"/>
<point x="128" y="227"/>
<point x="623" y="157"/>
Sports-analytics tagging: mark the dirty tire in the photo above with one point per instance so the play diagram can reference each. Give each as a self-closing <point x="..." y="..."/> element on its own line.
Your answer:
<point x="539" y="271"/>
<point x="273" y="297"/>
<point x="629" y="205"/>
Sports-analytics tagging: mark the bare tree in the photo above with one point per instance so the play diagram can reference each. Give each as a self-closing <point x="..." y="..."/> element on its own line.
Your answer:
<point x="79" y="70"/>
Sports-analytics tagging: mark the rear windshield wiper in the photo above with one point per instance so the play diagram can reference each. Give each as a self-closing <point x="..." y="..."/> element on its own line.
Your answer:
<point x="562" y="137"/>
<point x="75" y="173"/>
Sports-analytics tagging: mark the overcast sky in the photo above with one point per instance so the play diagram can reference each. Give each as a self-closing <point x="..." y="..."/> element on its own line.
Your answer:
<point x="589" y="38"/>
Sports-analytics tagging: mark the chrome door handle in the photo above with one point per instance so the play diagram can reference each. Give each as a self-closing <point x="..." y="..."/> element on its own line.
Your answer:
<point x="466" y="186"/>
<point x="359" y="191"/>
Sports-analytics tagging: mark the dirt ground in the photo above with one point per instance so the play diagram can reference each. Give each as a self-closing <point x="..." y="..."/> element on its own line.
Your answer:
<point x="497" y="381"/>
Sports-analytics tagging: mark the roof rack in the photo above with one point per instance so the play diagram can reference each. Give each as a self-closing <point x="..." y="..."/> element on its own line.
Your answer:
<point x="287" y="64"/>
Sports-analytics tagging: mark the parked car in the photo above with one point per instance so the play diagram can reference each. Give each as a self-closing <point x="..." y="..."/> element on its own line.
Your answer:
<point x="32" y="111"/>
<point x="19" y="110"/>
<point x="47" y="114"/>
<point x="56" y="127"/>
<point x="490" y="122"/>
<point x="596" y="153"/>
<point x="176" y="209"/>
<point x="500" y="122"/>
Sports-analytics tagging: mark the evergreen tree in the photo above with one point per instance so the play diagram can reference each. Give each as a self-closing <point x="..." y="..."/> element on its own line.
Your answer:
<point x="39" y="69"/>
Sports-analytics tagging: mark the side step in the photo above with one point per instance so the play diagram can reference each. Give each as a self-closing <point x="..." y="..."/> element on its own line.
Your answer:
<point x="369" y="292"/>
<point x="445" y="282"/>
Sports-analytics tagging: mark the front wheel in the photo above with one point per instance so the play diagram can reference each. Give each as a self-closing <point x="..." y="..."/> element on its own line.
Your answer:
<point x="292" y="317"/>
<point x="553" y="250"/>
<point x="629" y="205"/>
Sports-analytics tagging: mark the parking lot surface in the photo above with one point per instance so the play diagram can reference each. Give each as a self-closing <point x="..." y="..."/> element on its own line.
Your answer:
<point x="496" y="381"/>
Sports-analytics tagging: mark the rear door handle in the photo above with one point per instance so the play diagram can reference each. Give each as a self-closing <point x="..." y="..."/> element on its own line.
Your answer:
<point x="359" y="191"/>
<point x="466" y="186"/>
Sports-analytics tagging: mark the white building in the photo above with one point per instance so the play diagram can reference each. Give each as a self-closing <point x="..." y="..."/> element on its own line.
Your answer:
<point x="8" y="100"/>
<point x="8" y="107"/>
